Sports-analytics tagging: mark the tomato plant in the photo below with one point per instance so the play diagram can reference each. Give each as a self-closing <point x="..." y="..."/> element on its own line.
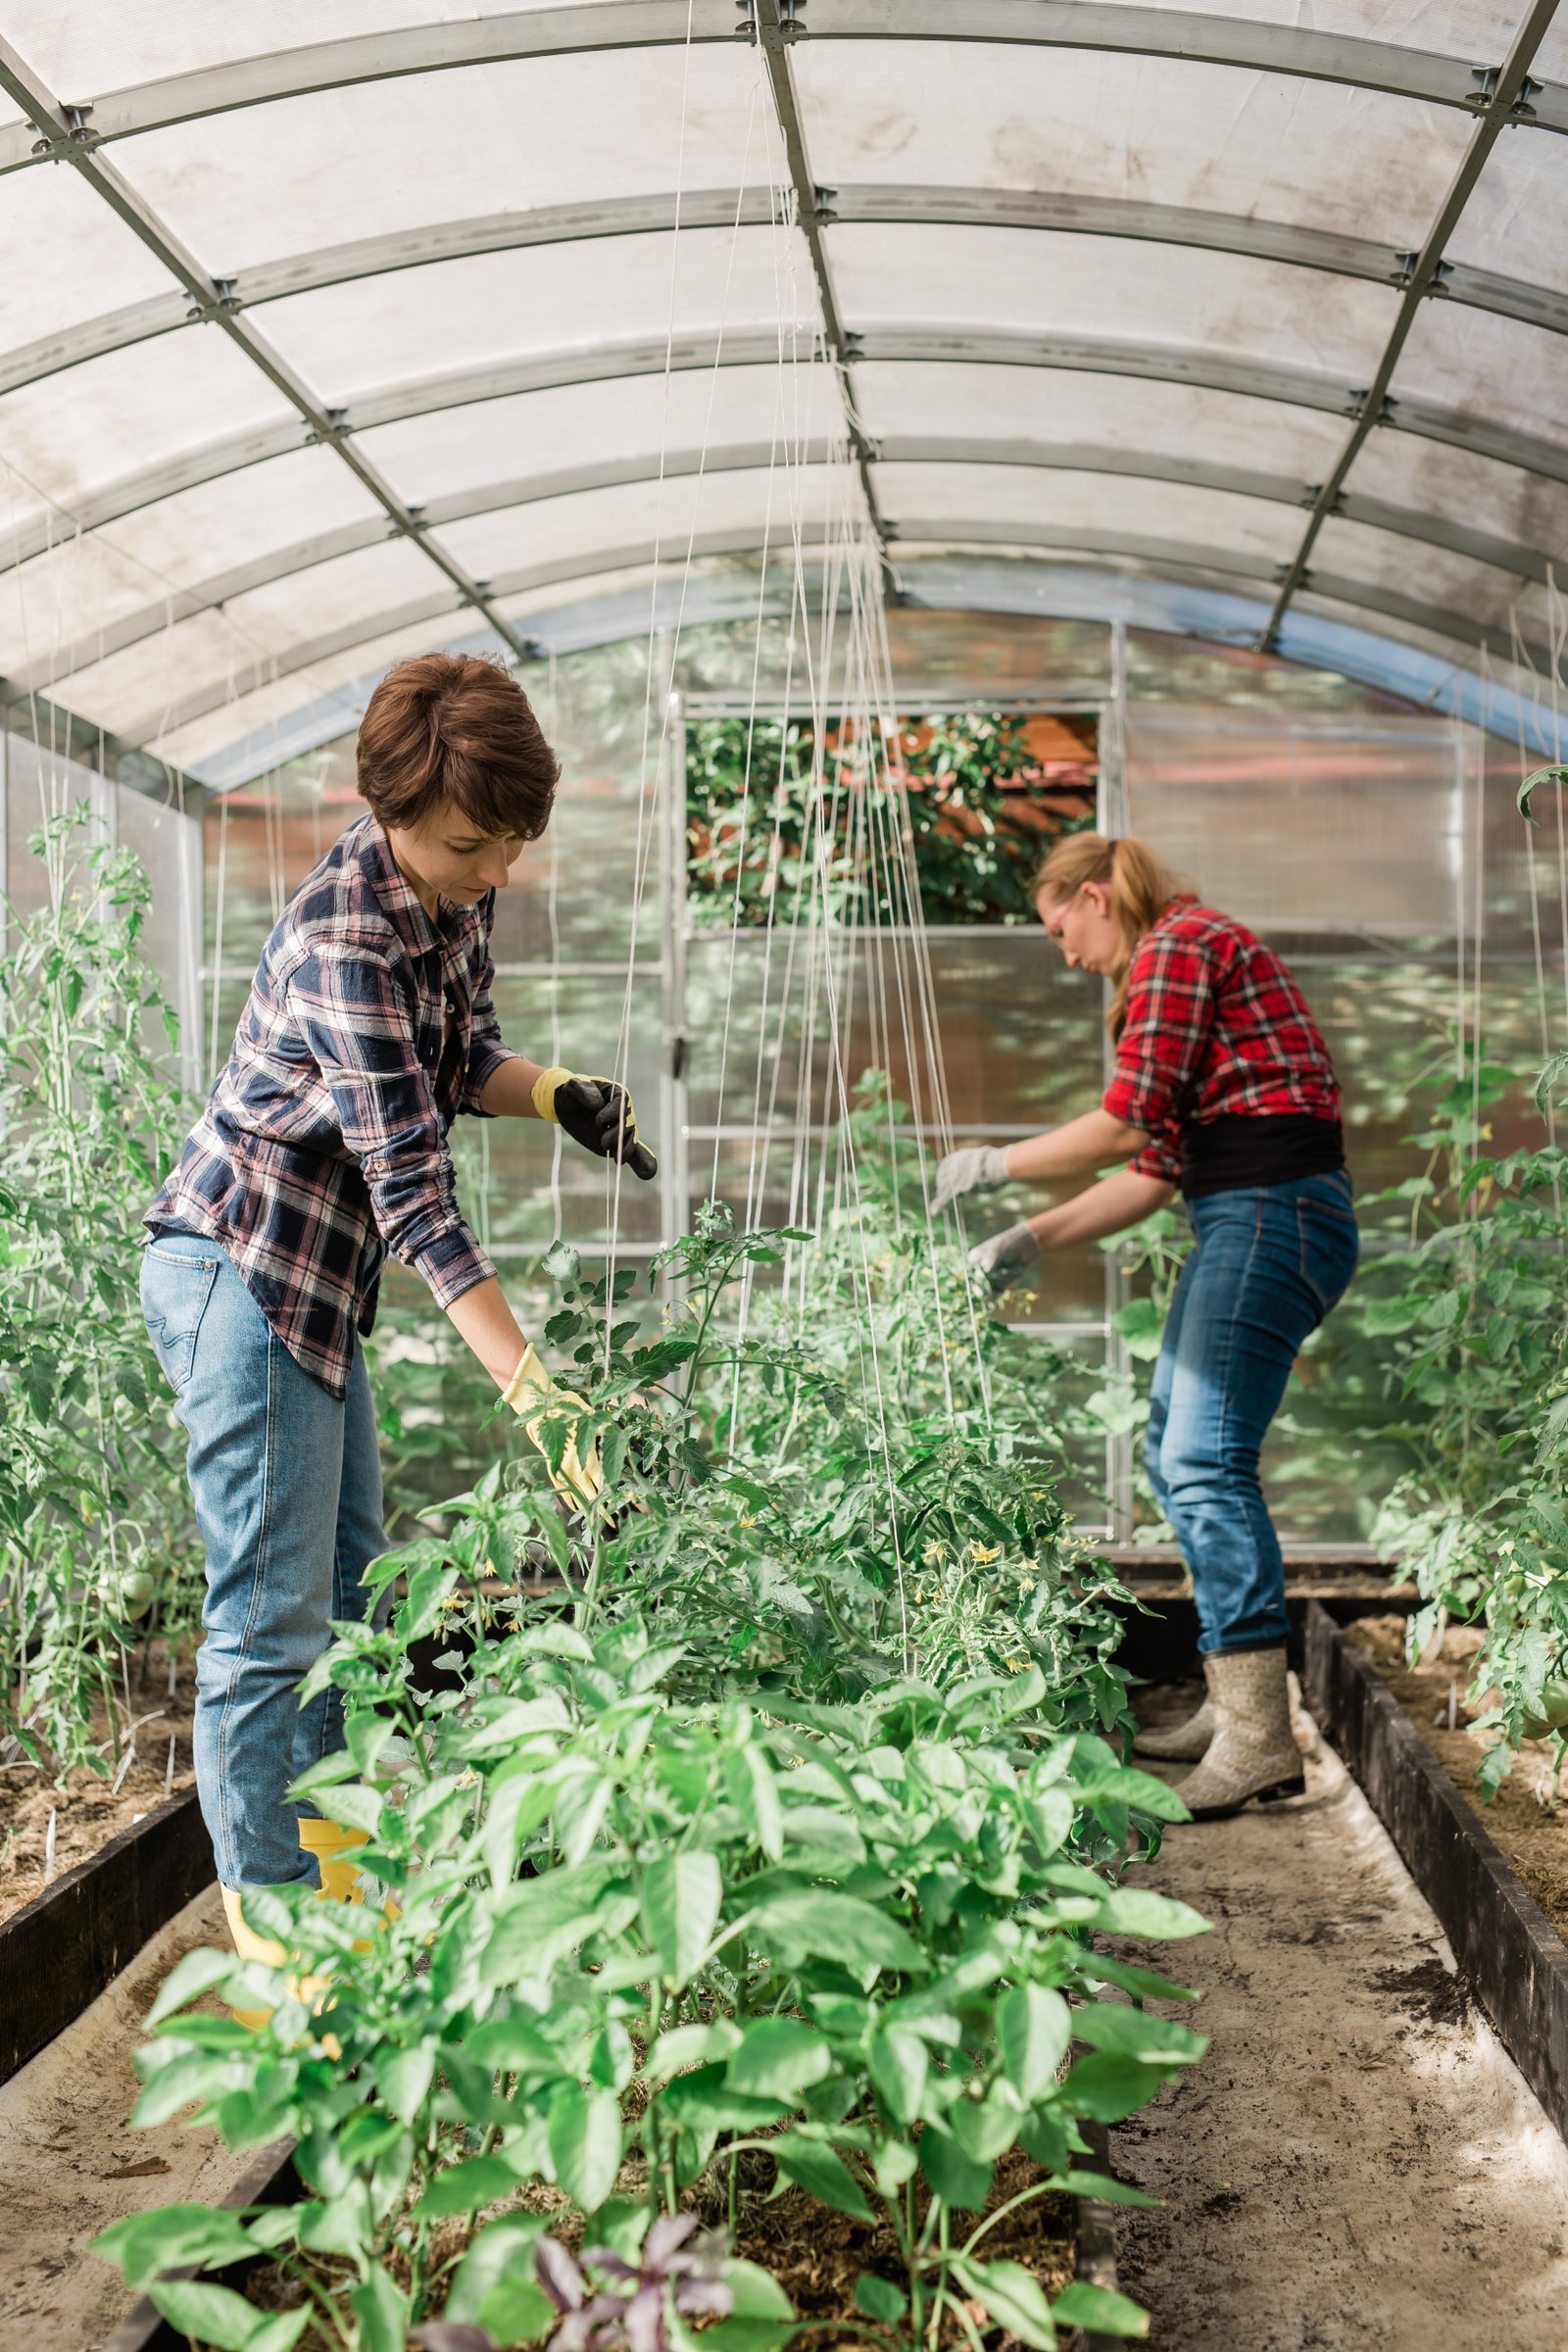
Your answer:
<point x="784" y="1830"/>
<point x="97" y="1542"/>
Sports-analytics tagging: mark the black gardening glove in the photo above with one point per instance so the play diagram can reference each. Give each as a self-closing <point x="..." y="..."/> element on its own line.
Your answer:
<point x="597" y="1115"/>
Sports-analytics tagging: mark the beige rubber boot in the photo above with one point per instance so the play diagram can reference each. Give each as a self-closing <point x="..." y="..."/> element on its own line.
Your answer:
<point x="1184" y="1743"/>
<point x="1254" y="1752"/>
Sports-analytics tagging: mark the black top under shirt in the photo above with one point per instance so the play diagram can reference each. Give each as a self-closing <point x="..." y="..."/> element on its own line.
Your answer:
<point x="1239" y="1150"/>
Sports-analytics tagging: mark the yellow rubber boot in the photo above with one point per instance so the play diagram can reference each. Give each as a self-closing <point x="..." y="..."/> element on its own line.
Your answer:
<point x="333" y="1847"/>
<point x="249" y="1946"/>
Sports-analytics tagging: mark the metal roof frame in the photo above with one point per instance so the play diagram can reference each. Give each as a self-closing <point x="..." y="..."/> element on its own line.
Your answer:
<point x="1167" y="559"/>
<point x="278" y="564"/>
<point x="1395" y="69"/>
<point x="1196" y="365"/>
<point x="893" y="206"/>
<point x="106" y="182"/>
<point x="1512" y="84"/>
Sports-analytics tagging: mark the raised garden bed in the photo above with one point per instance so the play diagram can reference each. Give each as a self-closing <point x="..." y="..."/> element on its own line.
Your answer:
<point x="1510" y="1950"/>
<point x="58" y="1952"/>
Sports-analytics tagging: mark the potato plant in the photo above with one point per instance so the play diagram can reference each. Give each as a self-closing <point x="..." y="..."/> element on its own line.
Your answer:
<point x="729" y="1855"/>
<point x="97" y="1542"/>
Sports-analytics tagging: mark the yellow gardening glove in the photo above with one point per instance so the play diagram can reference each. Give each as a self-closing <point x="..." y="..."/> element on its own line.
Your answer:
<point x="598" y="1113"/>
<point x="531" y="1394"/>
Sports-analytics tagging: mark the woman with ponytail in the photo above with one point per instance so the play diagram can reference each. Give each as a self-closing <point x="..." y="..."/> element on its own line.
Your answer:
<point x="1222" y="1089"/>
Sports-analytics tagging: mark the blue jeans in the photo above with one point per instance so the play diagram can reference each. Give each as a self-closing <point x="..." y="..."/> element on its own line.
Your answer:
<point x="287" y="1487"/>
<point x="1268" y="1265"/>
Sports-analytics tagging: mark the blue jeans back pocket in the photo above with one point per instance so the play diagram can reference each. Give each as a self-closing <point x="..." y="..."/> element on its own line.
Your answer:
<point x="176" y="1282"/>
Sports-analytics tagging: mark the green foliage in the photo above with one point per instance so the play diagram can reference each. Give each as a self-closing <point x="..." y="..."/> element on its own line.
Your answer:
<point x="97" y="1544"/>
<point x="949" y="812"/>
<point x="733" y="1850"/>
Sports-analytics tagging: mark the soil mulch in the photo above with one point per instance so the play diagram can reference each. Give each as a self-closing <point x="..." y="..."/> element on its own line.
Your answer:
<point x="86" y="1811"/>
<point x="1521" y="1818"/>
<point x="816" y="2255"/>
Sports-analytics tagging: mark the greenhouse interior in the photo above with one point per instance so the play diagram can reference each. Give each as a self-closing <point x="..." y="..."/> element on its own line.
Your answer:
<point x="783" y="1273"/>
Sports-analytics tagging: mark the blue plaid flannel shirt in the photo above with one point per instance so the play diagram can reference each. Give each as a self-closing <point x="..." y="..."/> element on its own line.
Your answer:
<point x="323" y="1143"/>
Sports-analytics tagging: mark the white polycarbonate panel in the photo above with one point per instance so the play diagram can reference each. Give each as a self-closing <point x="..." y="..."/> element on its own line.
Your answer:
<point x="542" y="434"/>
<point x="98" y="45"/>
<point x="67" y="258"/>
<point x="1060" y="407"/>
<point x="72" y="433"/>
<point x="1478" y="30"/>
<point x="500" y="138"/>
<point x="146" y="559"/>
<point x="1044" y="284"/>
<point x="1513" y="220"/>
<point x="1489" y="368"/>
<point x="1148" y="130"/>
<point x="132" y="688"/>
<point x="1426" y="575"/>
<point x="667" y="513"/>
<point x="354" y="339"/>
<point x="1477" y="492"/>
<point x="1179" y="519"/>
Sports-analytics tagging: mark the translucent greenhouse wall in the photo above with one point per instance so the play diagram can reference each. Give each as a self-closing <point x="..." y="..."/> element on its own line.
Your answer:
<point x="1379" y="848"/>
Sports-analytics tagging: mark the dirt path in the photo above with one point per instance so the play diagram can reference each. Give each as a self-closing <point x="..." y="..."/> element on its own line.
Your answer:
<point x="70" y="2163"/>
<point x="1358" y="2161"/>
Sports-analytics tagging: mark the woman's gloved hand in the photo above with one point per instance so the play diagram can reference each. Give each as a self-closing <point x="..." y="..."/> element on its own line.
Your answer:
<point x="536" y="1399"/>
<point x="977" y="1168"/>
<point x="1004" y="1257"/>
<point x="597" y="1114"/>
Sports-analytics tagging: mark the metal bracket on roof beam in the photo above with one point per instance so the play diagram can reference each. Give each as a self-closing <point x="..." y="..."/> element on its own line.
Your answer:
<point x="1314" y="491"/>
<point x="1357" y="407"/>
<point x="1405" y="269"/>
<point x="75" y="137"/>
<point x="225" y="297"/>
<point x="1481" y="97"/>
<point x="784" y="20"/>
<point x="822" y="204"/>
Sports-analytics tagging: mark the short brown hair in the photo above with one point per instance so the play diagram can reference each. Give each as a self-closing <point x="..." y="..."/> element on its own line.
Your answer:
<point x="453" y="727"/>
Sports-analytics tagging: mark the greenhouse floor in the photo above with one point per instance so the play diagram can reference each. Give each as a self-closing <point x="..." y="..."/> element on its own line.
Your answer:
<point x="71" y="2164"/>
<point x="1358" y="2161"/>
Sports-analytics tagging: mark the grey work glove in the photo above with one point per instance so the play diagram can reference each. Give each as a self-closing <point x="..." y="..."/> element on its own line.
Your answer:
<point x="977" y="1168"/>
<point x="1003" y="1257"/>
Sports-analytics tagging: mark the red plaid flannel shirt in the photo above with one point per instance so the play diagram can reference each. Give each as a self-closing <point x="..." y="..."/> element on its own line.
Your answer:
<point x="323" y="1143"/>
<point x="1215" y="1025"/>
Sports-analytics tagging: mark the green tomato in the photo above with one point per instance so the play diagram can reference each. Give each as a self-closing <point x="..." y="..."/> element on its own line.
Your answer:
<point x="1553" y="1716"/>
<point x="130" y="1592"/>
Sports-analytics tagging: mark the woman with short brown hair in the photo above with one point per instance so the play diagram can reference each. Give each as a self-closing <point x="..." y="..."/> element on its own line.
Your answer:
<point x="322" y="1147"/>
<point x="1223" y="1089"/>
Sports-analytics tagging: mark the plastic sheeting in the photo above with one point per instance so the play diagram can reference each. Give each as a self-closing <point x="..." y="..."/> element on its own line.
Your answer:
<point x="1119" y="301"/>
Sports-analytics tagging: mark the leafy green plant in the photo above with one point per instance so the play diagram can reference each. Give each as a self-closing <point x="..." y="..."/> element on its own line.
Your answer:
<point x="97" y="1544"/>
<point x="770" y="808"/>
<point x="721" y="1857"/>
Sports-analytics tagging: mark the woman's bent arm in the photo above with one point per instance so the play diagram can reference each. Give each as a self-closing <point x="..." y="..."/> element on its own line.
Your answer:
<point x="1082" y="1147"/>
<point x="1123" y="1199"/>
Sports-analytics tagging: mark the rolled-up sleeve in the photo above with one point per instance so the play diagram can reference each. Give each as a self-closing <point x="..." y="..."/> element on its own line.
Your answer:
<point x="486" y="1051"/>
<point x="357" y="1025"/>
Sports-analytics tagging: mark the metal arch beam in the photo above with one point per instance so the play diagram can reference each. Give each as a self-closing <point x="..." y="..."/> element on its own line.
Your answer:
<point x="1165" y="558"/>
<point x="1325" y="250"/>
<point x="327" y="547"/>
<point x="1204" y="369"/>
<point x="1177" y="560"/>
<point x="774" y="27"/>
<point x="106" y="182"/>
<point x="395" y="52"/>
<point x="1513" y="84"/>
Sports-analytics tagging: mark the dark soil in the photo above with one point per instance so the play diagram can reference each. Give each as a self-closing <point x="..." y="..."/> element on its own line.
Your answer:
<point x="816" y="2255"/>
<point x="1520" y="1818"/>
<point x="86" y="1814"/>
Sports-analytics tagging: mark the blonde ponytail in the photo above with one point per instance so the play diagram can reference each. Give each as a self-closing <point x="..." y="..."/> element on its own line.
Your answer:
<point x="1140" y="889"/>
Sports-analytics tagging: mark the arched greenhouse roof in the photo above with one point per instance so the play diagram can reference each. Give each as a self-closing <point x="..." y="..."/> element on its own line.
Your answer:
<point x="317" y="350"/>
